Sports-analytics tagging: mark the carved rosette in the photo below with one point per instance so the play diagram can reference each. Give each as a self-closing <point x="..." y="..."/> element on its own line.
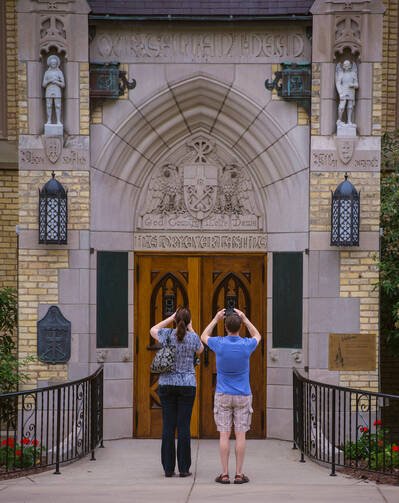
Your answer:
<point x="201" y="186"/>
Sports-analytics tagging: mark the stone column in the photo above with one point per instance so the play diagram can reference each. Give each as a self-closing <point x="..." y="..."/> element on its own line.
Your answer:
<point x="54" y="274"/>
<point x="341" y="279"/>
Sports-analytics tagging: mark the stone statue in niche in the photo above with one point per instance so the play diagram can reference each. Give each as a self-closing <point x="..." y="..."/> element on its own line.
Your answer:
<point x="53" y="82"/>
<point x="346" y="81"/>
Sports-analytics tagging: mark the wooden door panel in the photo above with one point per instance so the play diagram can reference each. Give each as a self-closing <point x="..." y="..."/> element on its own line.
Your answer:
<point x="163" y="284"/>
<point x="206" y="284"/>
<point x="234" y="281"/>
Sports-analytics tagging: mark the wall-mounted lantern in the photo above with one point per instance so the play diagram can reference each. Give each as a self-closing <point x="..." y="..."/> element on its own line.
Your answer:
<point x="108" y="82"/>
<point x="53" y="213"/>
<point x="293" y="83"/>
<point x="345" y="215"/>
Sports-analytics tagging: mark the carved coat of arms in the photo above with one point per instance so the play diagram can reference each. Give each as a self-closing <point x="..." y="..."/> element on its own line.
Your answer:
<point x="53" y="148"/>
<point x="200" y="189"/>
<point x="345" y="148"/>
<point x="203" y="188"/>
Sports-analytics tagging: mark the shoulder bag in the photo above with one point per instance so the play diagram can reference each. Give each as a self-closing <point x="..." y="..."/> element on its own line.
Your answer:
<point x="164" y="360"/>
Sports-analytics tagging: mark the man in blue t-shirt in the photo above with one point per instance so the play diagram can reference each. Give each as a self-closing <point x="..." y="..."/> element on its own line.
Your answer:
<point x="233" y="398"/>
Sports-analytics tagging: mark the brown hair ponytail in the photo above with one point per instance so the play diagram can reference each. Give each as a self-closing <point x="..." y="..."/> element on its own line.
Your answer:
<point x="182" y="318"/>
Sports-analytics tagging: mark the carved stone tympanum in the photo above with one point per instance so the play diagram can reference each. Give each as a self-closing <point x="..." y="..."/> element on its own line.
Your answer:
<point x="203" y="189"/>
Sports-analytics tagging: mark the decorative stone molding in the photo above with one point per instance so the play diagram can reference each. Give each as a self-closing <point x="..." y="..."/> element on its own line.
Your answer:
<point x="43" y="152"/>
<point x="347" y="6"/>
<point x="101" y="355"/>
<point x="344" y="154"/>
<point x="200" y="186"/>
<point x="53" y="34"/>
<point x="347" y="34"/>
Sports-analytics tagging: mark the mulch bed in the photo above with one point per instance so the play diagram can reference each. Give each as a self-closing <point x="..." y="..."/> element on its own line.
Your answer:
<point x="4" y="475"/>
<point x="379" y="478"/>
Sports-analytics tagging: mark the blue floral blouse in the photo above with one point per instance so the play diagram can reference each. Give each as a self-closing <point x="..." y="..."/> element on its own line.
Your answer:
<point x="184" y="373"/>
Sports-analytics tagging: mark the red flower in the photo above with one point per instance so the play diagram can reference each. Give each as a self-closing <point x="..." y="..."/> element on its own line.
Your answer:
<point x="18" y="452"/>
<point x="380" y="442"/>
<point x="26" y="441"/>
<point x="395" y="448"/>
<point x="35" y="442"/>
<point x="4" y="442"/>
<point x="10" y="441"/>
<point x="363" y="429"/>
<point x="378" y="422"/>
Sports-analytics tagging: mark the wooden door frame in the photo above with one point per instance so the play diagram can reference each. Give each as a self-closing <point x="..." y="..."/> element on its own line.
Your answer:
<point x="136" y="255"/>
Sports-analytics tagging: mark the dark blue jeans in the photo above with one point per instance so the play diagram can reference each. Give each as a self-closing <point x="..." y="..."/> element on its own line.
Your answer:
<point x="177" y="405"/>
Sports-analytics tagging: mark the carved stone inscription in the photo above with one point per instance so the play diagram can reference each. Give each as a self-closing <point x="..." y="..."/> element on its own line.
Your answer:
<point x="200" y="187"/>
<point x="200" y="241"/>
<point x="260" y="45"/>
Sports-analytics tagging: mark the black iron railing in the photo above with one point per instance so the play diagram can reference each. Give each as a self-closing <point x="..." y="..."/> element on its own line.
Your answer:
<point x="346" y="427"/>
<point x="53" y="425"/>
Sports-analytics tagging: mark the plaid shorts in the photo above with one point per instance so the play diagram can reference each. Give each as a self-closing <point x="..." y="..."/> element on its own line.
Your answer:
<point x="232" y="407"/>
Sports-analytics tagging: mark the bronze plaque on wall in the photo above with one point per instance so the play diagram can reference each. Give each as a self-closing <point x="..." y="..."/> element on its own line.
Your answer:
<point x="352" y="352"/>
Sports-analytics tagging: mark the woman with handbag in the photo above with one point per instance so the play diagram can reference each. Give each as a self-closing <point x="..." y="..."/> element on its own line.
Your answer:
<point x="177" y="389"/>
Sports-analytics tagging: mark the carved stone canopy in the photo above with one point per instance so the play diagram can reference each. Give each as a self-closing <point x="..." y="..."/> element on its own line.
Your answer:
<point x="200" y="186"/>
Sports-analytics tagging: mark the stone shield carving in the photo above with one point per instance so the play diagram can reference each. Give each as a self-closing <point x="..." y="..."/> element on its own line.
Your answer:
<point x="200" y="186"/>
<point x="345" y="148"/>
<point x="53" y="148"/>
<point x="200" y="189"/>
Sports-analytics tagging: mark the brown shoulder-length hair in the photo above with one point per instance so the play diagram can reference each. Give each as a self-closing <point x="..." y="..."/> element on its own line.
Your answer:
<point x="182" y="319"/>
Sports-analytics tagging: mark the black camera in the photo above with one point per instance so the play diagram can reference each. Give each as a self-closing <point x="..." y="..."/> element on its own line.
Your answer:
<point x="228" y="311"/>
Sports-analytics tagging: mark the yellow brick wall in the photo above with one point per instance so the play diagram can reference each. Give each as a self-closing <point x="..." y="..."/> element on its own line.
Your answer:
<point x="321" y="185"/>
<point x="38" y="268"/>
<point x="84" y="98"/>
<point x="8" y="221"/>
<point x="315" y="110"/>
<point x="358" y="276"/>
<point x="22" y="99"/>
<point x="389" y="65"/>
<point x="377" y="115"/>
<point x="11" y="68"/>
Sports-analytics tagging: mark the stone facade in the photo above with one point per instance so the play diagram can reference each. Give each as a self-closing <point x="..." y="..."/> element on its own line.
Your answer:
<point x="119" y="160"/>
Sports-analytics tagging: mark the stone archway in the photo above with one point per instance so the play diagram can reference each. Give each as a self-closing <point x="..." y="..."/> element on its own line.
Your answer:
<point x="134" y="141"/>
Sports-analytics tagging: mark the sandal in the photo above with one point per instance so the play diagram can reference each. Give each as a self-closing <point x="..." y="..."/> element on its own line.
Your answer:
<point x="223" y="478"/>
<point x="240" y="479"/>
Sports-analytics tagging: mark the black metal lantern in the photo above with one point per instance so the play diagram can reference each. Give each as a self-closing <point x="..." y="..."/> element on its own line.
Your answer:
<point x="53" y="213"/>
<point x="345" y="215"/>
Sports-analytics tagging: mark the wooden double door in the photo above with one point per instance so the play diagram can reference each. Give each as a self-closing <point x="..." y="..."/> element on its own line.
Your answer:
<point x="205" y="284"/>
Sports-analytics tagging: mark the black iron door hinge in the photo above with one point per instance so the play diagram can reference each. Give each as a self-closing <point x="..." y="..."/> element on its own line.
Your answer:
<point x="137" y="344"/>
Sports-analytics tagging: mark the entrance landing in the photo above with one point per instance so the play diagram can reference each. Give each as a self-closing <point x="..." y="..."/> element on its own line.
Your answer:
<point x="129" y="471"/>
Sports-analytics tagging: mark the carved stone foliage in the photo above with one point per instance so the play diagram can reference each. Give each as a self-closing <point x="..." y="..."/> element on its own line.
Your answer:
<point x="53" y="34"/>
<point x="200" y="187"/>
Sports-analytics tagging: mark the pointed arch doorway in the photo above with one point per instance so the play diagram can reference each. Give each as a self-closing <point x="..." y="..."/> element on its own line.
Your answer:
<point x="206" y="283"/>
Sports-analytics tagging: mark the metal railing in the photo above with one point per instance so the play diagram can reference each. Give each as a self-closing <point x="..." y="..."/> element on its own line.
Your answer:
<point x="48" y="426"/>
<point x="346" y="427"/>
